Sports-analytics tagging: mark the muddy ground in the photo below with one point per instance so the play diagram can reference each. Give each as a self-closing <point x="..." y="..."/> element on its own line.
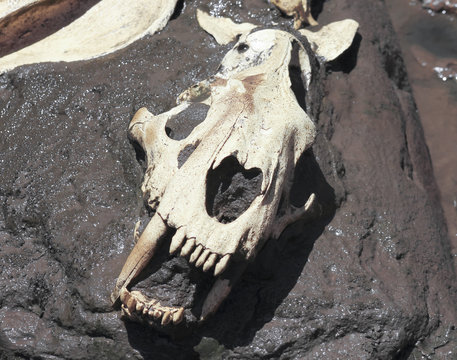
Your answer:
<point x="373" y="278"/>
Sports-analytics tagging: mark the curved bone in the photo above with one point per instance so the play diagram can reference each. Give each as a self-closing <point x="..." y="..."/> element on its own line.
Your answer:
<point x="142" y="252"/>
<point x="222" y="29"/>
<point x="333" y="39"/>
<point x="108" y="26"/>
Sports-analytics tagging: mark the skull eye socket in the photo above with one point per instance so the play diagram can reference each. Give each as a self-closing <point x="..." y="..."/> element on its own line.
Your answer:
<point x="243" y="47"/>
<point x="230" y="189"/>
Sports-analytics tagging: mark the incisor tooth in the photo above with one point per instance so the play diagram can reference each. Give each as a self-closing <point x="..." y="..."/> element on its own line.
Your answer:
<point x="178" y="316"/>
<point x="198" y="250"/>
<point x="222" y="265"/>
<point x="210" y="262"/>
<point x="177" y="241"/>
<point x="166" y="318"/>
<point x="201" y="260"/>
<point x="188" y="247"/>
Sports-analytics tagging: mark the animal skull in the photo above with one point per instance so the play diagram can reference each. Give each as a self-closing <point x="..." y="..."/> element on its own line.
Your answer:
<point x="254" y="123"/>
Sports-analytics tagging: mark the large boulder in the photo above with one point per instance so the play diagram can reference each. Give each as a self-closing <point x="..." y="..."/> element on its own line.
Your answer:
<point x="371" y="279"/>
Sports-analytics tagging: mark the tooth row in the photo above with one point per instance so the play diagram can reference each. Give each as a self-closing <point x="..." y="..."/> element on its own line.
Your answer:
<point x="198" y="255"/>
<point x="135" y="303"/>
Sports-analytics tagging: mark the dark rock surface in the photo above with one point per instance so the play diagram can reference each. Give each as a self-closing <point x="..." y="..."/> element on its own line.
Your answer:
<point x="373" y="279"/>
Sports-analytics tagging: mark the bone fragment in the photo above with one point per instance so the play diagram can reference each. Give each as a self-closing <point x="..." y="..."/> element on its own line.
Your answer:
<point x="333" y="39"/>
<point x="188" y="247"/>
<point x="198" y="250"/>
<point x="222" y="29"/>
<point x="299" y="9"/>
<point x="222" y="265"/>
<point x="142" y="252"/>
<point x="106" y="27"/>
<point x="177" y="240"/>
<point x="210" y="262"/>
<point x="201" y="260"/>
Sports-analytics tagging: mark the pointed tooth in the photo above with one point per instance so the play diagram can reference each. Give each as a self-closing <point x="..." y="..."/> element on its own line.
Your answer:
<point x="157" y="314"/>
<point x="145" y="311"/>
<point x="151" y="312"/>
<point x="210" y="262"/>
<point x="201" y="260"/>
<point x="147" y="245"/>
<point x="188" y="247"/>
<point x="166" y="318"/>
<point x="222" y="264"/>
<point x="178" y="316"/>
<point x="216" y="295"/>
<point x="198" y="250"/>
<point x="178" y="240"/>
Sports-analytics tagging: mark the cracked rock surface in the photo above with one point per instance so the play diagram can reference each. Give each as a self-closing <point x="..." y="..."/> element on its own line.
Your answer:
<point x="372" y="279"/>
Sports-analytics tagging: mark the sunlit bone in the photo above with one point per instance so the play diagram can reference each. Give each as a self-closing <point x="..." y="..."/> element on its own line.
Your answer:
<point x="254" y="116"/>
<point x="299" y="9"/>
<point x="108" y="26"/>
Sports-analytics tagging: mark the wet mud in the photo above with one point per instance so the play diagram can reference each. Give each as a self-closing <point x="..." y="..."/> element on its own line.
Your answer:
<point x="372" y="278"/>
<point x="429" y="47"/>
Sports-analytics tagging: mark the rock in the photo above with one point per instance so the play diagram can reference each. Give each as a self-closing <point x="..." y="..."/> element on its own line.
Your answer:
<point x="370" y="280"/>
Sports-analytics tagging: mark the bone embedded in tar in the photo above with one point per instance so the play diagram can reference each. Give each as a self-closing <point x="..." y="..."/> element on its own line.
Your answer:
<point x="299" y="9"/>
<point x="253" y="118"/>
<point x="106" y="27"/>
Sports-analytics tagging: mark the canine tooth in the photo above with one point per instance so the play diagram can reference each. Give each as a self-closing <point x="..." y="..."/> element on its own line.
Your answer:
<point x="166" y="318"/>
<point x="210" y="262"/>
<point x="187" y="248"/>
<point x="178" y="316"/>
<point x="198" y="250"/>
<point x="222" y="265"/>
<point x="201" y="260"/>
<point x="177" y="241"/>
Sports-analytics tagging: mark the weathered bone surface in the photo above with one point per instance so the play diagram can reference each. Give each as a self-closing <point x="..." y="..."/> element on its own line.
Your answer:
<point x="299" y="9"/>
<point x="108" y="26"/>
<point x="253" y="120"/>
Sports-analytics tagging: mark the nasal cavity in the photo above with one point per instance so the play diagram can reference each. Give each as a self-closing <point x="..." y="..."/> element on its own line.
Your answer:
<point x="230" y="189"/>
<point x="180" y="126"/>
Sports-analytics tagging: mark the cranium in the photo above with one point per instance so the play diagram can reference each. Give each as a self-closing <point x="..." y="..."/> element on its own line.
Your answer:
<point x="251" y="123"/>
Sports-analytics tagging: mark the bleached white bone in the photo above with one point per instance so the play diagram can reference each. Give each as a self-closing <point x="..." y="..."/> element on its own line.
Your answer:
<point x="108" y="26"/>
